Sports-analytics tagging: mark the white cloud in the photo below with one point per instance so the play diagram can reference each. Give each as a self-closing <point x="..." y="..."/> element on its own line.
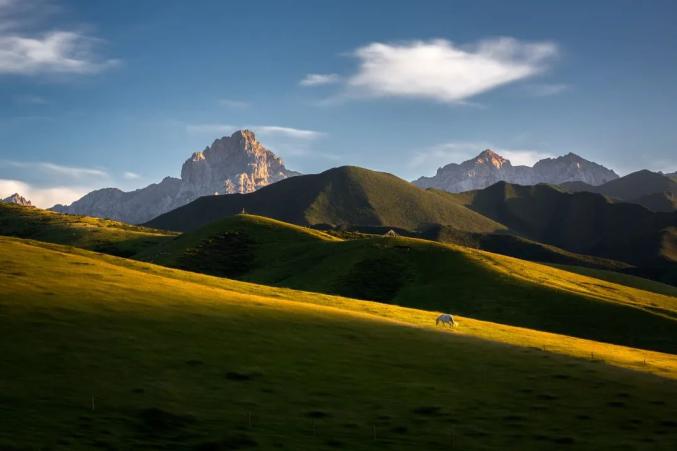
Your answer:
<point x="42" y="197"/>
<point x="289" y="132"/>
<point x="53" y="52"/>
<point x="56" y="170"/>
<point x="234" y="103"/>
<point x="443" y="71"/>
<point x="48" y="51"/>
<point x="319" y="79"/>
<point x="430" y="159"/>
<point x="263" y="130"/>
<point x="131" y="175"/>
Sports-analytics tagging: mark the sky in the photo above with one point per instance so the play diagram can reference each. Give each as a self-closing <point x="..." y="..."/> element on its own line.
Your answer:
<point x="96" y="94"/>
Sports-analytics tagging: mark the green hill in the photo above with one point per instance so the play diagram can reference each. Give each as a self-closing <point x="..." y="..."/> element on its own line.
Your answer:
<point x="341" y="196"/>
<point x="519" y="247"/>
<point x="654" y="191"/>
<point x="584" y="223"/>
<point x="101" y="235"/>
<point x="100" y="352"/>
<point x="426" y="275"/>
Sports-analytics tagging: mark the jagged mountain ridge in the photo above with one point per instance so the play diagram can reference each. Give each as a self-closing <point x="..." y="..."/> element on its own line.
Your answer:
<point x="489" y="167"/>
<point x="18" y="199"/>
<point x="232" y="164"/>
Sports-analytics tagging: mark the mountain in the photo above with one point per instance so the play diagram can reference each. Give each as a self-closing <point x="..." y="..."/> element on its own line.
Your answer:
<point x="234" y="164"/>
<point x="585" y="223"/>
<point x="488" y="168"/>
<point x="341" y="196"/>
<point x="18" y="199"/>
<point x="654" y="191"/>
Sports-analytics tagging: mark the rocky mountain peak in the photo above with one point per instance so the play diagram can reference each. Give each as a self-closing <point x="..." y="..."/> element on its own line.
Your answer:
<point x="490" y="157"/>
<point x="232" y="164"/>
<point x="489" y="167"/>
<point x="18" y="199"/>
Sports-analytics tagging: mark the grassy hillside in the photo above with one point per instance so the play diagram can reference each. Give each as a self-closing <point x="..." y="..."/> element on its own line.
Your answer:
<point x="105" y="353"/>
<point x="427" y="275"/>
<point x="346" y="195"/>
<point x="519" y="247"/>
<point x="584" y="223"/>
<point x="623" y="279"/>
<point x="102" y="235"/>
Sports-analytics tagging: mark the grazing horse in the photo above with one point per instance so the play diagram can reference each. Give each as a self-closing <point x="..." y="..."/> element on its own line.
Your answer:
<point x="445" y="318"/>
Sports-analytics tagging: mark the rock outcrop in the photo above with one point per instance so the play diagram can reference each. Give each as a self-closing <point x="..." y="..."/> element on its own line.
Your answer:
<point x="488" y="168"/>
<point x="18" y="199"/>
<point x="232" y="164"/>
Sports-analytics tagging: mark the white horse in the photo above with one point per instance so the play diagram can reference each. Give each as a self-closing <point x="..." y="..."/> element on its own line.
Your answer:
<point x="445" y="318"/>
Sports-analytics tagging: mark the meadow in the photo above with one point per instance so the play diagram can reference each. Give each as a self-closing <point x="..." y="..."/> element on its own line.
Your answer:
<point x="104" y="352"/>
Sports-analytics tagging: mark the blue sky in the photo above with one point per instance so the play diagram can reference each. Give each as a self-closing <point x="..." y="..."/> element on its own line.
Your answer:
<point x="96" y="93"/>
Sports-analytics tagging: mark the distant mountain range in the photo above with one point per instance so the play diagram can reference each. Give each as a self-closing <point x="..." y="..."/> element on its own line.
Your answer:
<point x="584" y="223"/>
<point x="235" y="164"/>
<point x="488" y="168"/>
<point x="18" y="199"/>
<point x="350" y="197"/>
<point x="654" y="191"/>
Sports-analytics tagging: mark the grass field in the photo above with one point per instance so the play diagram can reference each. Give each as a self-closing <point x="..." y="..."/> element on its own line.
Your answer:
<point x="426" y="275"/>
<point x="101" y="235"/>
<point x="102" y="352"/>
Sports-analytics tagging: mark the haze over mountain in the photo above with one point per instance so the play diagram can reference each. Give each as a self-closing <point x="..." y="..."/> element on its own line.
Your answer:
<point x="18" y="199"/>
<point x="235" y="164"/>
<point x="657" y="192"/>
<point x="489" y="167"/>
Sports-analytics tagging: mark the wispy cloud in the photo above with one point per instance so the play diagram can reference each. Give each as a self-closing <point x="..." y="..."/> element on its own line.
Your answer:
<point x="131" y="175"/>
<point x="52" y="169"/>
<point x="441" y="70"/>
<point x="428" y="160"/>
<point x="545" y="89"/>
<point x="232" y="103"/>
<point x="270" y="130"/>
<point x="46" y="52"/>
<point x="319" y="79"/>
<point x="42" y="197"/>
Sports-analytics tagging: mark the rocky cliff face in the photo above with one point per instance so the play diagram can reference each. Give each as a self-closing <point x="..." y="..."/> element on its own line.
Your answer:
<point x="488" y="168"/>
<point x="18" y="199"/>
<point x="232" y="164"/>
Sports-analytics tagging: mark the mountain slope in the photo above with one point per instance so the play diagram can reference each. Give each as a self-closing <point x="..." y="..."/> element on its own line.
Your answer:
<point x="488" y="168"/>
<point x="235" y="164"/>
<point x="96" y="234"/>
<point x="341" y="196"/>
<point x="584" y="223"/>
<point x="424" y="274"/>
<point x="654" y="191"/>
<point x="162" y="359"/>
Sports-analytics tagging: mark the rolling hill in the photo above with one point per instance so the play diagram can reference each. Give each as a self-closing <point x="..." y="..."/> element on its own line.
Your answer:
<point x="341" y="196"/>
<point x="101" y="235"/>
<point x="656" y="192"/>
<point x="584" y="223"/>
<point x="107" y="353"/>
<point x="427" y="275"/>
